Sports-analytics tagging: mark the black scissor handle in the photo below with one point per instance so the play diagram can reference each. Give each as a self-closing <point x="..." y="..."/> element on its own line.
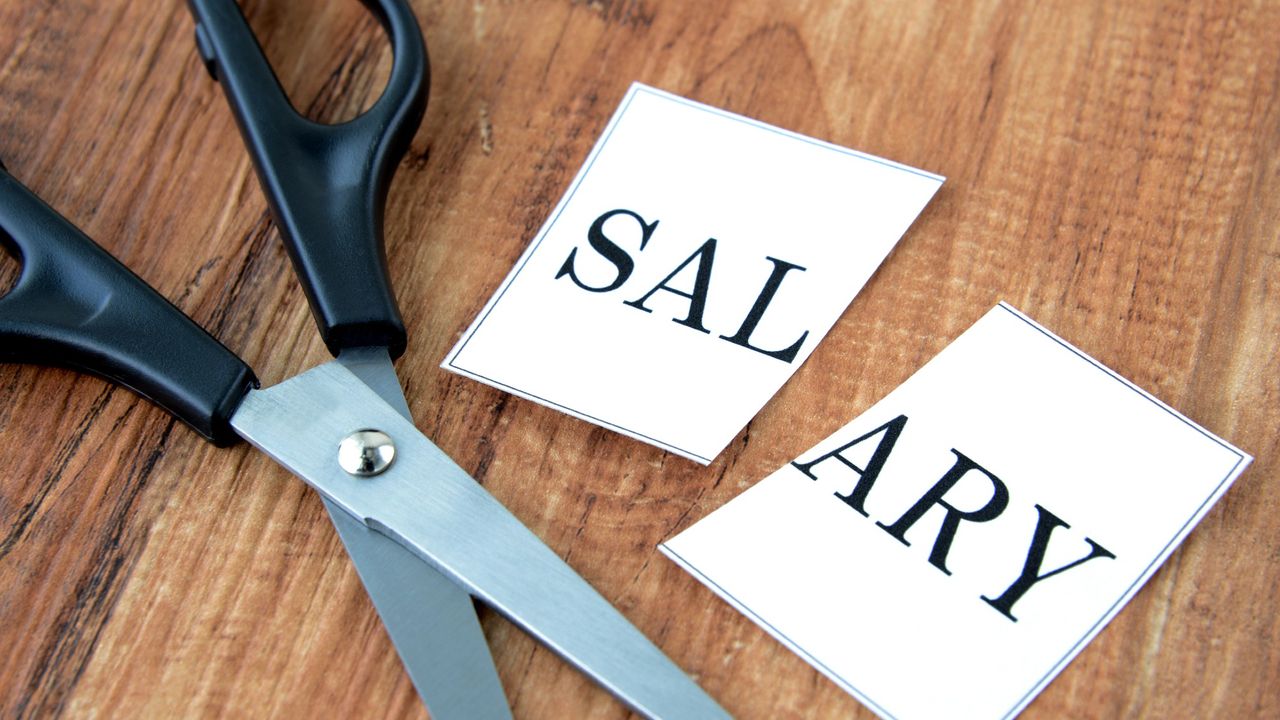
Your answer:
<point x="76" y="306"/>
<point x="326" y="184"/>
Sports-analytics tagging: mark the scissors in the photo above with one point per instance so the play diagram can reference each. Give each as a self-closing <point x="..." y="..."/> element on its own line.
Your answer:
<point x="424" y="536"/>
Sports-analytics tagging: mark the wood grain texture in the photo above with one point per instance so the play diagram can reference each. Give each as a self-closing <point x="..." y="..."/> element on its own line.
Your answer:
<point x="1113" y="170"/>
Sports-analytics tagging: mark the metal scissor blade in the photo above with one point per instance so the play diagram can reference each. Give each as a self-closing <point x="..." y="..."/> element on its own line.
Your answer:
<point x="433" y="508"/>
<point x="431" y="621"/>
<point x="373" y="366"/>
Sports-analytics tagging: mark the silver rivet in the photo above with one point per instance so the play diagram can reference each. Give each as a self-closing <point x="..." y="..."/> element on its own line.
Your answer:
<point x="366" y="452"/>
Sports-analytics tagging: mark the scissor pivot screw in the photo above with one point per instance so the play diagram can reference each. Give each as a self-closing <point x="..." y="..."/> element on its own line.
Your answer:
<point x="365" y="453"/>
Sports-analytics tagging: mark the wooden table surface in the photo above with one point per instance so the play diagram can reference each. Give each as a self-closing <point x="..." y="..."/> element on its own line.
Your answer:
<point x="1113" y="170"/>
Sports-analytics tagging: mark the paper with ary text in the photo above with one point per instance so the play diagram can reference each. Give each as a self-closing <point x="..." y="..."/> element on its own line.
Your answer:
<point x="947" y="553"/>
<point x="692" y="266"/>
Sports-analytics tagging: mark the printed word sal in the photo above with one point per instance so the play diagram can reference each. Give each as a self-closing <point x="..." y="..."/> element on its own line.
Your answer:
<point x="692" y="266"/>
<point x="705" y="256"/>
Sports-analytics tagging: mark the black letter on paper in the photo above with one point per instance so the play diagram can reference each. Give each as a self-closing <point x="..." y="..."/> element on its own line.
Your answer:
<point x="947" y="533"/>
<point x="743" y="336"/>
<point x="610" y="250"/>
<point x="1045" y="526"/>
<point x="706" y="255"/>
<point x="867" y="477"/>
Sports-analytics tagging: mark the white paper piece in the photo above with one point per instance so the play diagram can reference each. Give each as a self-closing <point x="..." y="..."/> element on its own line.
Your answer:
<point x="653" y="328"/>
<point x="1065" y="437"/>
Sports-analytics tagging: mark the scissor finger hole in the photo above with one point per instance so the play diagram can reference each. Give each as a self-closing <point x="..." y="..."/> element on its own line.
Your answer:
<point x="10" y="260"/>
<point x="332" y="58"/>
<point x="10" y="269"/>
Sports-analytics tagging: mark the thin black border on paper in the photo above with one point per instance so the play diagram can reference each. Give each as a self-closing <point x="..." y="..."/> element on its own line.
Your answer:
<point x="1094" y="629"/>
<point x="636" y="89"/>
